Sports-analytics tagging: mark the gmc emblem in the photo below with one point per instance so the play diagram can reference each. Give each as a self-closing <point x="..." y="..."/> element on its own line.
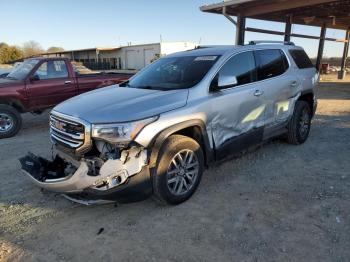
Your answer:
<point x="59" y="125"/>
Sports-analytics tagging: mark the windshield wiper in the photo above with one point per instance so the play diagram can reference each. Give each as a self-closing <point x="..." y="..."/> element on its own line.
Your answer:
<point x="125" y="84"/>
<point x="145" y="87"/>
<point x="152" y="88"/>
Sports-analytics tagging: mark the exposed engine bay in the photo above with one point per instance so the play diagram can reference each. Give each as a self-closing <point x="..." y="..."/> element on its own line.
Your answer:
<point x="104" y="167"/>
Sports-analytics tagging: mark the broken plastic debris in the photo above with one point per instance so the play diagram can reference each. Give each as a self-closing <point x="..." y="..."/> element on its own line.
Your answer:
<point x="100" y="231"/>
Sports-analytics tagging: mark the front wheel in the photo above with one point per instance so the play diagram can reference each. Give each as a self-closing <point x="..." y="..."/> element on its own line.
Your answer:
<point x="179" y="169"/>
<point x="300" y="124"/>
<point x="10" y="121"/>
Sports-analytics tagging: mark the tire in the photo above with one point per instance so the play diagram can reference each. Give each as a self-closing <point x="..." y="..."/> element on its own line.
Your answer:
<point x="167" y="179"/>
<point x="10" y="121"/>
<point x="300" y="124"/>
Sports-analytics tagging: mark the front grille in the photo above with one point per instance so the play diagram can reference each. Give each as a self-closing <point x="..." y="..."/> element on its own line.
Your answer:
<point x="69" y="133"/>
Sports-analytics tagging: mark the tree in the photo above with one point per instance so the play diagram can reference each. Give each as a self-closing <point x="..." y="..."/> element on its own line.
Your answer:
<point x="9" y="53"/>
<point x="55" y="49"/>
<point x="32" y="48"/>
<point x="156" y="57"/>
<point x="2" y="44"/>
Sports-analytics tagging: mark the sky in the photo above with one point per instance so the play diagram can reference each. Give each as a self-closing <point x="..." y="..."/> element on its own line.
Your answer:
<point x="76" y="24"/>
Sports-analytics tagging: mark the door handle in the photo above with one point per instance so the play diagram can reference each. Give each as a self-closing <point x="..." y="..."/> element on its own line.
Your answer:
<point x="294" y="84"/>
<point x="67" y="82"/>
<point x="258" y="92"/>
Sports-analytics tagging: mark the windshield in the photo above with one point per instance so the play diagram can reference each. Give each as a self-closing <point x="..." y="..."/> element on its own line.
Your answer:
<point x="173" y="73"/>
<point x="20" y="72"/>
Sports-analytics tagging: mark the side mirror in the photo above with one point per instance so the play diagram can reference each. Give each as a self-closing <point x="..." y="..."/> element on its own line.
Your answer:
<point x="214" y="87"/>
<point x="34" y="78"/>
<point x="226" y="81"/>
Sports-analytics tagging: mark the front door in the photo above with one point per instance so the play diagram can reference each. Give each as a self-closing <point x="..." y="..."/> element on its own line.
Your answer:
<point x="50" y="84"/>
<point x="237" y="113"/>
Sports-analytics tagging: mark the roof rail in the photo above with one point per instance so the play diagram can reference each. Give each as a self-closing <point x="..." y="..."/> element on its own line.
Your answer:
<point x="201" y="47"/>
<point x="270" y="42"/>
<point x="212" y="46"/>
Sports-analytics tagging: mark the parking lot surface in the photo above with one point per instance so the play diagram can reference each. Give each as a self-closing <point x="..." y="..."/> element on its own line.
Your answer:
<point x="276" y="203"/>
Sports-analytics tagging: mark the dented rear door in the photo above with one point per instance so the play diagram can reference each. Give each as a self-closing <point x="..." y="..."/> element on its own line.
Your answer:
<point x="278" y="84"/>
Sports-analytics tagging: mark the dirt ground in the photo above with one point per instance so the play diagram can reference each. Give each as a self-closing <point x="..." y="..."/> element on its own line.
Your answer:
<point x="277" y="203"/>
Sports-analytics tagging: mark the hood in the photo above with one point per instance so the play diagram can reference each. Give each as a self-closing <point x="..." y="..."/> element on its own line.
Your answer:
<point x="120" y="104"/>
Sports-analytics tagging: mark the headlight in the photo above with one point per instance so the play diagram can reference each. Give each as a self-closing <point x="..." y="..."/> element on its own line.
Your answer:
<point x="120" y="132"/>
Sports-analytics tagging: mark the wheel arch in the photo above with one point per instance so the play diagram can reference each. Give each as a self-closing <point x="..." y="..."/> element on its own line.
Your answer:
<point x="309" y="97"/>
<point x="194" y="129"/>
<point x="15" y="103"/>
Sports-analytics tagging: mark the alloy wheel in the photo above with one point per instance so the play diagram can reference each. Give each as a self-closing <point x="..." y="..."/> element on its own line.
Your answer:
<point x="304" y="122"/>
<point x="6" y="122"/>
<point x="182" y="172"/>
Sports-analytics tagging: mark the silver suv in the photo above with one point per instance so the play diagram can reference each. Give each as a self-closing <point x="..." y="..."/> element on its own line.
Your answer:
<point x="158" y="131"/>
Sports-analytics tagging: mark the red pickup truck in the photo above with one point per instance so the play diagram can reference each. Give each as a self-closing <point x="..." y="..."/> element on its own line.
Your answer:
<point x="41" y="83"/>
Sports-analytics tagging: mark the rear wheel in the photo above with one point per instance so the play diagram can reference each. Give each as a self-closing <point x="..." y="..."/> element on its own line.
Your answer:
<point x="300" y="124"/>
<point x="179" y="169"/>
<point x="10" y="121"/>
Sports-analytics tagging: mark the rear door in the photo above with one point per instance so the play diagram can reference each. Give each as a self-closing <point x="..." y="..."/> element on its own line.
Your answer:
<point x="279" y="86"/>
<point x="237" y="114"/>
<point x="50" y="84"/>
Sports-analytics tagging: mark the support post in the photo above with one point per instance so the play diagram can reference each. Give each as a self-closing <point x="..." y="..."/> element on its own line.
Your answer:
<point x="321" y="46"/>
<point x="228" y="17"/>
<point x="240" y="30"/>
<point x="288" y="30"/>
<point x="345" y="55"/>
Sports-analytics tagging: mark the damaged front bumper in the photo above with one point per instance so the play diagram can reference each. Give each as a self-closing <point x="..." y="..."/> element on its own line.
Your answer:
<point x="125" y="179"/>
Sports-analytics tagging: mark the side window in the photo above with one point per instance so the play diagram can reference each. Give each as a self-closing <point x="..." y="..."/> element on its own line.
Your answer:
<point x="271" y="63"/>
<point x="242" y="66"/>
<point x="52" y="69"/>
<point x="301" y="59"/>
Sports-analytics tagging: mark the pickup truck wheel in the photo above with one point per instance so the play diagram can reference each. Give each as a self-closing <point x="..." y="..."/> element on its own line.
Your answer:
<point x="300" y="124"/>
<point x="179" y="169"/>
<point x="10" y="121"/>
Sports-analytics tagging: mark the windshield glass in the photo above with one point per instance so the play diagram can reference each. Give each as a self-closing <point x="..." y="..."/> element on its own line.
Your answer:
<point x="20" y="72"/>
<point x="173" y="73"/>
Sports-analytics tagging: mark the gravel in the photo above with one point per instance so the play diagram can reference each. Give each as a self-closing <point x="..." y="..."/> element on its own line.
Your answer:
<point x="275" y="203"/>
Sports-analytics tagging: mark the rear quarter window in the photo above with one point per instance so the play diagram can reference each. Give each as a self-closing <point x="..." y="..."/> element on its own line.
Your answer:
<point x="300" y="58"/>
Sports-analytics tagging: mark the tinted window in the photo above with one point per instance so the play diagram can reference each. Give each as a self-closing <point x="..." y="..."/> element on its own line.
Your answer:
<point x="52" y="69"/>
<point x="301" y="59"/>
<point x="242" y="66"/>
<point x="271" y="63"/>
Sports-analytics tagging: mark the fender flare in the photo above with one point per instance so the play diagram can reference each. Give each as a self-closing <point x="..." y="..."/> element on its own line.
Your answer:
<point x="14" y="102"/>
<point x="314" y="100"/>
<point x="159" y="139"/>
<point x="307" y="92"/>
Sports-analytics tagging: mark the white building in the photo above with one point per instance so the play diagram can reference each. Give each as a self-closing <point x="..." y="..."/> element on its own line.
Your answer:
<point x="125" y="57"/>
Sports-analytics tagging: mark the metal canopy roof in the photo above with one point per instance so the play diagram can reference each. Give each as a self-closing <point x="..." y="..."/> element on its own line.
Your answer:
<point x="335" y="14"/>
